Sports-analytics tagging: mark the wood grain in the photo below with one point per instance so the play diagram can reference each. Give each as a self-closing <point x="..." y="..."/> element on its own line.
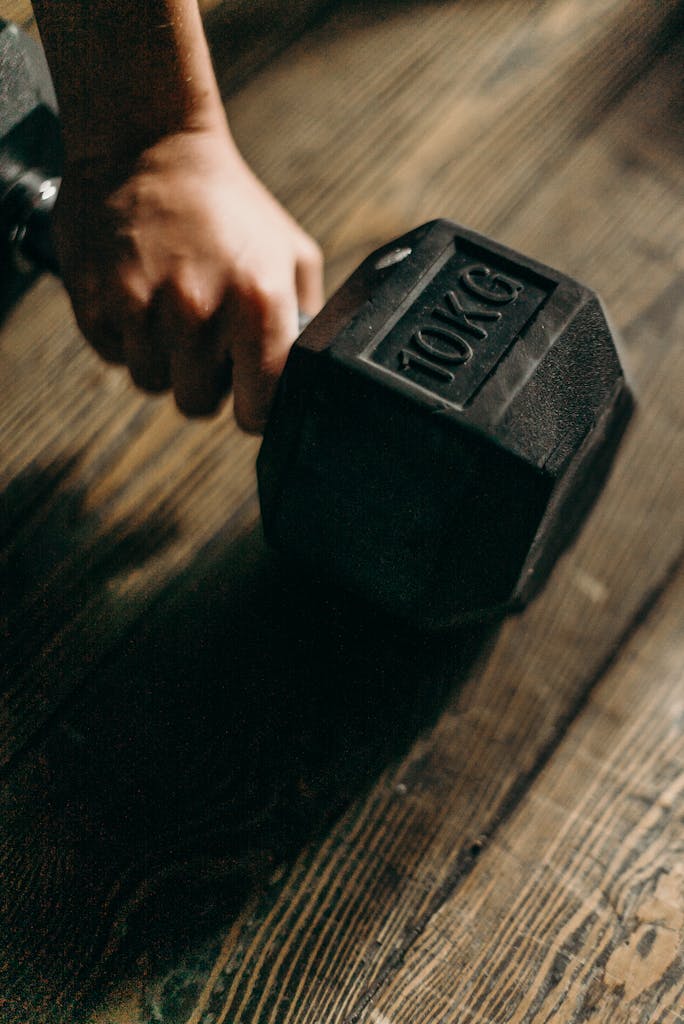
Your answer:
<point x="458" y="110"/>
<point x="89" y="419"/>
<point x="347" y="916"/>
<point x="166" y="753"/>
<point x="242" y="35"/>
<point x="575" y="912"/>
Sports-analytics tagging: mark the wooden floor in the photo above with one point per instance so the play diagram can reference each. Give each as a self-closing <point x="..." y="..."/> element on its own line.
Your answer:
<point x="230" y="800"/>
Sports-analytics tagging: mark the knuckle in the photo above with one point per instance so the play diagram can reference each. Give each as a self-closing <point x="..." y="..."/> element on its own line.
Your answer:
<point x="194" y="306"/>
<point x="268" y="301"/>
<point x="134" y="291"/>
<point x="312" y="254"/>
<point x="189" y="297"/>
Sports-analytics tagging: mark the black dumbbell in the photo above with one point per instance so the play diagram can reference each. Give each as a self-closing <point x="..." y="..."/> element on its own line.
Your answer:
<point x="30" y="150"/>
<point x="442" y="426"/>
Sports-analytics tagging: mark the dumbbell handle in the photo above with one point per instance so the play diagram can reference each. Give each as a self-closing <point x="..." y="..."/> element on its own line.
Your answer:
<point x="26" y="209"/>
<point x="30" y="202"/>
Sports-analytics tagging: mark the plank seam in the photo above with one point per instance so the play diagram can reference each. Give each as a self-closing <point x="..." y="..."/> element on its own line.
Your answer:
<point x="468" y="856"/>
<point x="666" y="39"/>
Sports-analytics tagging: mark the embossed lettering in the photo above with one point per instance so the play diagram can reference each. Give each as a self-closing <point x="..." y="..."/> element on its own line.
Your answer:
<point x="460" y="323"/>
<point x="454" y="347"/>
<point x="463" y="318"/>
<point x="459" y="351"/>
<point x="492" y="287"/>
<point x="408" y="358"/>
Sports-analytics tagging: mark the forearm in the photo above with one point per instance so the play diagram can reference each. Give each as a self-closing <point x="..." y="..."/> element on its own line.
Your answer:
<point x="127" y="72"/>
<point x="177" y="260"/>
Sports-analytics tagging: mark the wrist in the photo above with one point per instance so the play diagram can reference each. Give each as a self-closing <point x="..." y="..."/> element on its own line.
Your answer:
<point x="120" y="140"/>
<point x="106" y="165"/>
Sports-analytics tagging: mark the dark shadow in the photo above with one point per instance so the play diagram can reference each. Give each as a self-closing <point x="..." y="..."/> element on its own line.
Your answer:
<point x="234" y="721"/>
<point x="244" y="37"/>
<point x="55" y="559"/>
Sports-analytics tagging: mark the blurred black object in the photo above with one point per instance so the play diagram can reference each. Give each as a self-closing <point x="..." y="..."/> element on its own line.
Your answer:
<point x="30" y="162"/>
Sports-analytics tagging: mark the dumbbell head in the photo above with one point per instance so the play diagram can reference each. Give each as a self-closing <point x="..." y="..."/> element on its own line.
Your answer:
<point x="442" y="426"/>
<point x="30" y="145"/>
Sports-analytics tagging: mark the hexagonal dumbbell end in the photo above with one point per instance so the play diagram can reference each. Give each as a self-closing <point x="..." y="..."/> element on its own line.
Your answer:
<point x="442" y="426"/>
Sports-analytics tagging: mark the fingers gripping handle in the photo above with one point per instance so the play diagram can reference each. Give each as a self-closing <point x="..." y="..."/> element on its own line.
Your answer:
<point x="27" y="207"/>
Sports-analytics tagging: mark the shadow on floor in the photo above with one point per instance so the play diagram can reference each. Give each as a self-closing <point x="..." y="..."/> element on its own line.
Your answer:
<point x="233" y="722"/>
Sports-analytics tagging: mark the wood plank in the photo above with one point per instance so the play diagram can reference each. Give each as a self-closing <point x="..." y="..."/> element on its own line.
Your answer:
<point x="61" y="430"/>
<point x="19" y="11"/>
<point x="346" y="916"/>
<point x="457" y="113"/>
<point x="242" y="35"/>
<point x="141" y="837"/>
<point x="95" y="477"/>
<point x="575" y="911"/>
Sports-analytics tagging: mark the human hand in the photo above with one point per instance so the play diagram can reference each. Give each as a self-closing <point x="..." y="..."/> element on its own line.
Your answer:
<point x="182" y="266"/>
